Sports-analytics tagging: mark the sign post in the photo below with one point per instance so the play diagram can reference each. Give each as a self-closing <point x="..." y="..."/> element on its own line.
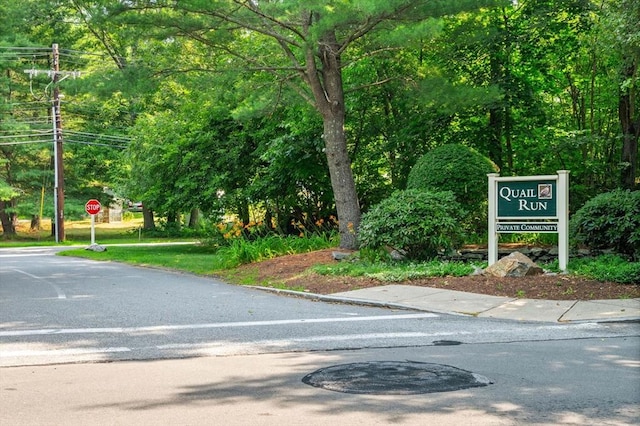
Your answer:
<point x="529" y="204"/>
<point x="93" y="208"/>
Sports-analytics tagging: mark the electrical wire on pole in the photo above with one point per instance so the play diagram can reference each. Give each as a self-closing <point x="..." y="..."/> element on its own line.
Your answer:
<point x="59" y="162"/>
<point x="31" y="129"/>
<point x="58" y="195"/>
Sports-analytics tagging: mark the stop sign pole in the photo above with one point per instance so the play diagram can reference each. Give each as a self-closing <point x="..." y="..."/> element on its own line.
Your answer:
<point x="93" y="208"/>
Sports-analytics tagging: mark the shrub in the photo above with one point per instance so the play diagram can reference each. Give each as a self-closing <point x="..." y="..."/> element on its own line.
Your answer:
<point x="459" y="169"/>
<point x="608" y="268"/>
<point x="418" y="222"/>
<point x="240" y="251"/>
<point x="609" y="220"/>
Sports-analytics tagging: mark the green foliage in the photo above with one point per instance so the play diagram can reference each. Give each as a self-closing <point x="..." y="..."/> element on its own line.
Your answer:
<point x="291" y="178"/>
<point x="372" y="255"/>
<point x="530" y="238"/>
<point x="534" y="85"/>
<point x="205" y="259"/>
<point x="609" y="220"/>
<point x="395" y="271"/>
<point x="608" y="268"/>
<point x="419" y="222"/>
<point x="423" y="270"/>
<point x="459" y="169"/>
<point x="242" y="251"/>
<point x="6" y="191"/>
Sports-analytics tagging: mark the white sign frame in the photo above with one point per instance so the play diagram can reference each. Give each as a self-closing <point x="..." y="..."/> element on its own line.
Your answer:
<point x="561" y="219"/>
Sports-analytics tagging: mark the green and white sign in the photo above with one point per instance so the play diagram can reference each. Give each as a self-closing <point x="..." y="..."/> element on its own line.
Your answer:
<point x="534" y="199"/>
<point x="529" y="204"/>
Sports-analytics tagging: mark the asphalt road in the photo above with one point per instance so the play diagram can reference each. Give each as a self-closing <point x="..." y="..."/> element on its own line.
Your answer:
<point x="216" y="352"/>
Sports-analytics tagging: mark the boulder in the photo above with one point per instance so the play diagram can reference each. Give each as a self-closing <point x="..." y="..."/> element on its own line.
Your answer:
<point x="339" y="255"/>
<point x="514" y="265"/>
<point x="396" y="254"/>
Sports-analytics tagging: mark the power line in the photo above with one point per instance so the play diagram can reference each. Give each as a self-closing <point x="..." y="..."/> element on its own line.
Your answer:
<point x="24" y="142"/>
<point x="67" y="140"/>
<point x="27" y="108"/>
<point x="101" y="136"/>
<point x="25" y="130"/>
<point x="28" y="48"/>
<point x="24" y="103"/>
<point x="31" y="57"/>
<point x="35" y="122"/>
<point x="26" y="136"/>
<point x="84" y="138"/>
<point x="66" y="56"/>
<point x="56" y="76"/>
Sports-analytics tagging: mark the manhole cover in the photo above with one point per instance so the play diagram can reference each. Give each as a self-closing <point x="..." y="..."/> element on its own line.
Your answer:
<point x="394" y="378"/>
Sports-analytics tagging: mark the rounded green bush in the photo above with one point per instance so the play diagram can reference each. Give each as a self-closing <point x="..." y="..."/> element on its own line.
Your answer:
<point x="609" y="220"/>
<point x="419" y="222"/>
<point x="459" y="169"/>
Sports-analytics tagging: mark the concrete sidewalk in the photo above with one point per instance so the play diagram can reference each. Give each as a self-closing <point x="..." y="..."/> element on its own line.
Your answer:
<point x="484" y="306"/>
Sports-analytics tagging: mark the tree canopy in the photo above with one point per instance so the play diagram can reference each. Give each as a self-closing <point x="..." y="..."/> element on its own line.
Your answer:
<point x="302" y="110"/>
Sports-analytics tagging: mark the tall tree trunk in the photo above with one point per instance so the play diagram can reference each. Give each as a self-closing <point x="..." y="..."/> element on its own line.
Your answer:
<point x="328" y="93"/>
<point x="507" y="77"/>
<point x="193" y="218"/>
<point x="630" y="131"/>
<point x="495" y="136"/>
<point x="149" y="223"/>
<point x="172" y="217"/>
<point x="508" y="135"/>
<point x="496" y="112"/>
<point x="35" y="222"/>
<point x="7" y="220"/>
<point x="244" y="213"/>
<point x="342" y="181"/>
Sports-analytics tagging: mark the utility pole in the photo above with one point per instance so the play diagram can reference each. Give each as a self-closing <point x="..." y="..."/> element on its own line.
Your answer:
<point x="58" y="151"/>
<point x="58" y="194"/>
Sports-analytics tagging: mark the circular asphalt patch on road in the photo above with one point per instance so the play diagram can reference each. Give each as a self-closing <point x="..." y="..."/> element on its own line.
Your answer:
<point x="394" y="378"/>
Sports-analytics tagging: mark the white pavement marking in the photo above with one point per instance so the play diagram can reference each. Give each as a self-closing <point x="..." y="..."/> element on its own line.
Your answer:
<point x="62" y="352"/>
<point x="215" y="348"/>
<point x="161" y="328"/>
<point x="58" y="290"/>
<point x="310" y="339"/>
<point x="24" y="255"/>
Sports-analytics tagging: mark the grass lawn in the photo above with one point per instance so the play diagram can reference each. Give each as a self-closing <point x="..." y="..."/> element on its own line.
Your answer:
<point x="79" y="233"/>
<point x="191" y="258"/>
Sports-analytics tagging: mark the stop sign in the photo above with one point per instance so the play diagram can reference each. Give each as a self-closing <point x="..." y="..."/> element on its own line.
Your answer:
<point x="92" y="207"/>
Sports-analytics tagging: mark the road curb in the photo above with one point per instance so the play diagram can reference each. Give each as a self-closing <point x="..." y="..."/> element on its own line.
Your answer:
<point x="354" y="301"/>
<point x="402" y="306"/>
